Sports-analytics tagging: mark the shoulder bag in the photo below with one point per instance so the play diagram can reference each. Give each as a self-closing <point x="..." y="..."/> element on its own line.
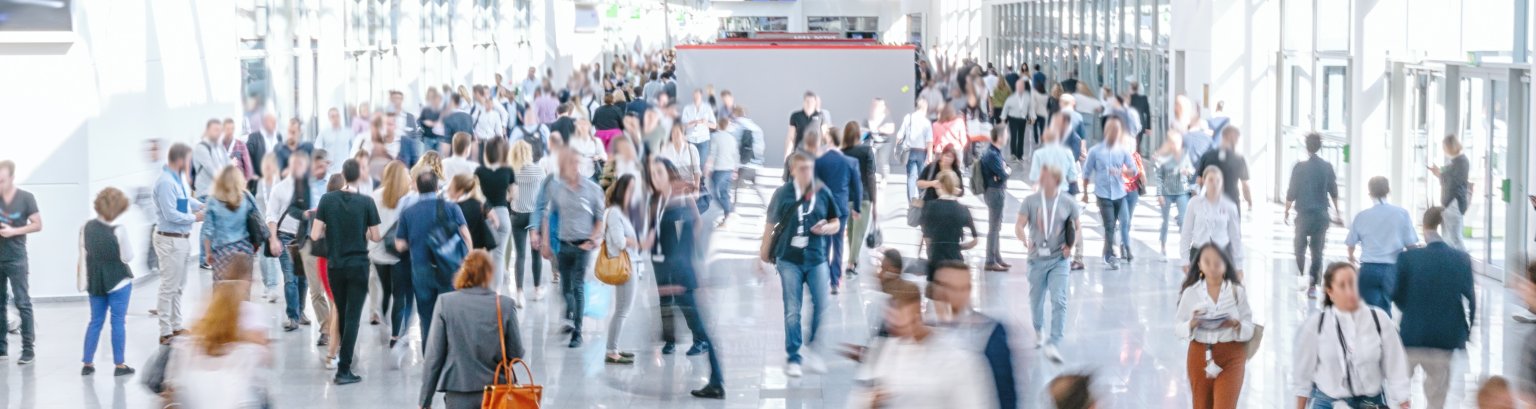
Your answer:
<point x="915" y="212"/>
<point x="256" y="229"/>
<point x="510" y="395"/>
<point x="611" y="270"/>
<point x="1252" y="346"/>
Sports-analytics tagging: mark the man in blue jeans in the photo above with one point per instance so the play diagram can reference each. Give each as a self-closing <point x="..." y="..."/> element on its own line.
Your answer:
<point x="284" y="209"/>
<point x="1107" y="165"/>
<point x="578" y="201"/>
<point x="1384" y="231"/>
<point x="915" y="134"/>
<point x="1049" y="217"/>
<point x="430" y="276"/>
<point x="798" y="249"/>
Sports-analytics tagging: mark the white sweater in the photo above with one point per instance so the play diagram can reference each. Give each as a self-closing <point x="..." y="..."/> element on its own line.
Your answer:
<point x="921" y="375"/>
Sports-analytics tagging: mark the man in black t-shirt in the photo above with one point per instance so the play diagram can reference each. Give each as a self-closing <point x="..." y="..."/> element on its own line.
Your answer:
<point x="810" y="111"/>
<point x="1232" y="165"/>
<point x="19" y="217"/>
<point x="565" y="125"/>
<point x="345" y="219"/>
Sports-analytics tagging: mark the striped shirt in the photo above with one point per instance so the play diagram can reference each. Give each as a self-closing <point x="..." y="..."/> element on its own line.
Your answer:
<point x="529" y="178"/>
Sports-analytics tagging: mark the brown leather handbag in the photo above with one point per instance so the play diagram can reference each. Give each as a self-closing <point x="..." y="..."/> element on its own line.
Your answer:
<point x="510" y="395"/>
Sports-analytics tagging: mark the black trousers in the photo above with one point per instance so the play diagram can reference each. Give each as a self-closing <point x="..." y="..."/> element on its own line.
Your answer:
<point x="520" y="223"/>
<point x="402" y="296"/>
<point x="1039" y="128"/>
<point x="1311" y="235"/>
<point x="349" y="288"/>
<point x="572" y="262"/>
<point x="1017" y="127"/>
<point x="387" y="287"/>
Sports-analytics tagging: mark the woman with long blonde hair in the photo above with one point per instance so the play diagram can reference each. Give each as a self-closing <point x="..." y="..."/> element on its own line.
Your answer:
<point x="217" y="366"/>
<point x="224" y="230"/>
<point x="395" y="294"/>
<point x="430" y="161"/>
<point x="524" y="196"/>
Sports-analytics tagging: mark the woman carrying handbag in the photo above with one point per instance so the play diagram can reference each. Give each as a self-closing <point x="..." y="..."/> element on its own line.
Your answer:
<point x="457" y="360"/>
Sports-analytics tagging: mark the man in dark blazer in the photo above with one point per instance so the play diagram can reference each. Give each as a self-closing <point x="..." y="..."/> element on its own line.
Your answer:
<point x="260" y="142"/>
<point x="1432" y="284"/>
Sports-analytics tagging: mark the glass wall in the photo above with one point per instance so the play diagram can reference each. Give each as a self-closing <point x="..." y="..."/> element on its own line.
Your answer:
<point x="1102" y="42"/>
<point x="301" y="58"/>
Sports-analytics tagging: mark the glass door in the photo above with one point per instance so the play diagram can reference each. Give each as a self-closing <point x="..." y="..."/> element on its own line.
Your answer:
<point x="1425" y="111"/>
<point x="1484" y="134"/>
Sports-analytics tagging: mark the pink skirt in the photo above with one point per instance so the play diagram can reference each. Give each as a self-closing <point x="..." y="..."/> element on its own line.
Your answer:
<point x="607" y="135"/>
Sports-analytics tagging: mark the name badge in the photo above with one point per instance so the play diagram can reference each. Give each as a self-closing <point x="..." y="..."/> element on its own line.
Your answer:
<point x="658" y="258"/>
<point x="1043" y="249"/>
<point x="799" y="242"/>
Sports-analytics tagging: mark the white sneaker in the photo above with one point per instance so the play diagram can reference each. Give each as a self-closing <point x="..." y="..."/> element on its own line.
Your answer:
<point x="538" y="293"/>
<point x="793" y="370"/>
<point x="1303" y="282"/>
<point x="517" y="298"/>
<point x="331" y="363"/>
<point x="1052" y="354"/>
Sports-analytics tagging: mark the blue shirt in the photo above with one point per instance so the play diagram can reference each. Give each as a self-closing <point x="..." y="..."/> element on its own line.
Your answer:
<point x="173" y="204"/>
<point x="799" y="212"/>
<point x="418" y="222"/>
<point x="1103" y="168"/>
<point x="1196" y="143"/>
<point x="994" y="174"/>
<point x="283" y="153"/>
<point x="1384" y="230"/>
<point x="840" y="177"/>
<point x="1075" y="134"/>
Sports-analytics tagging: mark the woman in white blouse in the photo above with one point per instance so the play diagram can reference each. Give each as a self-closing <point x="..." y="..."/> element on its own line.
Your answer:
<point x="1215" y="307"/>
<point x="589" y="148"/>
<point x="1349" y="354"/>
<point x="1212" y="219"/>
<point x="682" y="154"/>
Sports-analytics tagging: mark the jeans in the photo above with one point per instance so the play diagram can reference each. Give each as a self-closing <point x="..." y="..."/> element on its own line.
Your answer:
<point x="703" y="148"/>
<point x="269" y="271"/>
<point x="623" y="297"/>
<point x="403" y="297"/>
<point x="720" y="183"/>
<point x="573" y="272"/>
<point x="1436" y="363"/>
<point x="916" y="158"/>
<point x="117" y="302"/>
<point x="1311" y="235"/>
<point x="173" y="276"/>
<point x="1180" y="201"/>
<point x="794" y="277"/>
<point x="1321" y="400"/>
<point x="1049" y="274"/>
<point x="428" y="282"/>
<point x="520" y="222"/>
<point x="350" y="287"/>
<point x="1110" y="210"/>
<point x="294" y="285"/>
<point x="1377" y="280"/>
<point x="1126" y="212"/>
<point x="838" y="242"/>
<point x="1039" y="128"/>
<point x="994" y="197"/>
<point x="857" y="229"/>
<point x="501" y="231"/>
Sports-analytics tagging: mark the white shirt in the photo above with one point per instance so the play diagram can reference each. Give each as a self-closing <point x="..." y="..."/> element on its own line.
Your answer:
<point x="387" y="218"/>
<point x="1209" y="222"/>
<point x="724" y="152"/>
<point x="278" y="199"/>
<point x="590" y="149"/>
<point x="490" y="123"/>
<point x="1041" y="101"/>
<point x="1378" y="360"/>
<point x="927" y="374"/>
<point x="686" y="159"/>
<point x="1087" y="104"/>
<point x="916" y="130"/>
<point x="1231" y="302"/>
<point x="698" y="112"/>
<point x="454" y="166"/>
<point x="1019" y="105"/>
<point x="335" y="141"/>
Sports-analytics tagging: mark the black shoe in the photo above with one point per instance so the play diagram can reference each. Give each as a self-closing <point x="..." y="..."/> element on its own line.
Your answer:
<point x="122" y="370"/>
<point x="667" y="348"/>
<point x="698" y="348"/>
<point x="1077" y="265"/>
<point x="345" y="378"/>
<point x="568" y="328"/>
<point x="325" y="339"/>
<point x="392" y="343"/>
<point x="26" y="358"/>
<point x="709" y="392"/>
<point x="87" y="370"/>
<point x="627" y="354"/>
<point x="576" y="340"/>
<point x="204" y="266"/>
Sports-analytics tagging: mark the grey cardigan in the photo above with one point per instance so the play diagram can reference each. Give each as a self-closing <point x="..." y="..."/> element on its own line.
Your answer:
<point x="462" y="350"/>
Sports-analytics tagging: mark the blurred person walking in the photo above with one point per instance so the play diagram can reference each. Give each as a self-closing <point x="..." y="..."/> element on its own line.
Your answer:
<point x="1383" y="232"/>
<point x="913" y="368"/>
<point x="839" y="176"/>
<point x="975" y="331"/>
<point x="673" y="247"/>
<point x="459" y="362"/>
<point x="1171" y="170"/>
<point x="1214" y="304"/>
<point x="108" y="281"/>
<point x="220" y="366"/>
<point x="864" y="155"/>
<point x="1357" y="362"/>
<point x="576" y="200"/>
<point x="1433" y="282"/>
<point x="800" y="217"/>
<point x="721" y="165"/>
<point x="1313" y="189"/>
<point x="496" y="181"/>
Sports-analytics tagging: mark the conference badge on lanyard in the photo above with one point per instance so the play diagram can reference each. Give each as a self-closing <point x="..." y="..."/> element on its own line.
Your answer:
<point x="802" y="238"/>
<point x="1047" y="221"/>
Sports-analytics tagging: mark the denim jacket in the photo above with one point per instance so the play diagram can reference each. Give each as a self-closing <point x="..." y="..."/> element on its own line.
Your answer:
<point x="222" y="226"/>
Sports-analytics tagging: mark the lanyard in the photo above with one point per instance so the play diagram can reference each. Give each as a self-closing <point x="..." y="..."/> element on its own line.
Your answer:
<point x="1047" y="216"/>
<point x="806" y="208"/>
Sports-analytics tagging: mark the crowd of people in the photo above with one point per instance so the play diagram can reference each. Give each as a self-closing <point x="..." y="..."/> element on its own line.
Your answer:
<point x="611" y="178"/>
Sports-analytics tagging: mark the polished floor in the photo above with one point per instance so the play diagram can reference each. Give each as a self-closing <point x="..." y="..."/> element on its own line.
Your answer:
<point x="1120" y="328"/>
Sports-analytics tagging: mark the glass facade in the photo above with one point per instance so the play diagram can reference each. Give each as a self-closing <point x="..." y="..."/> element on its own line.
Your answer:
<point x="1105" y="42"/>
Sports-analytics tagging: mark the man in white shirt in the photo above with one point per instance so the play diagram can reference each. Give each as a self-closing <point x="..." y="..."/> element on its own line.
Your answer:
<point x="460" y="163"/>
<point x="1018" y="109"/>
<point x="490" y="120"/>
<point x="336" y="138"/>
<point x="974" y="331"/>
<point x="528" y="86"/>
<point x="397" y="106"/>
<point x="699" y="121"/>
<point x="915" y="135"/>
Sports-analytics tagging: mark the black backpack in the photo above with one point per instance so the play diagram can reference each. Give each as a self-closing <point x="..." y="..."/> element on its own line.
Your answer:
<point x="745" y="142"/>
